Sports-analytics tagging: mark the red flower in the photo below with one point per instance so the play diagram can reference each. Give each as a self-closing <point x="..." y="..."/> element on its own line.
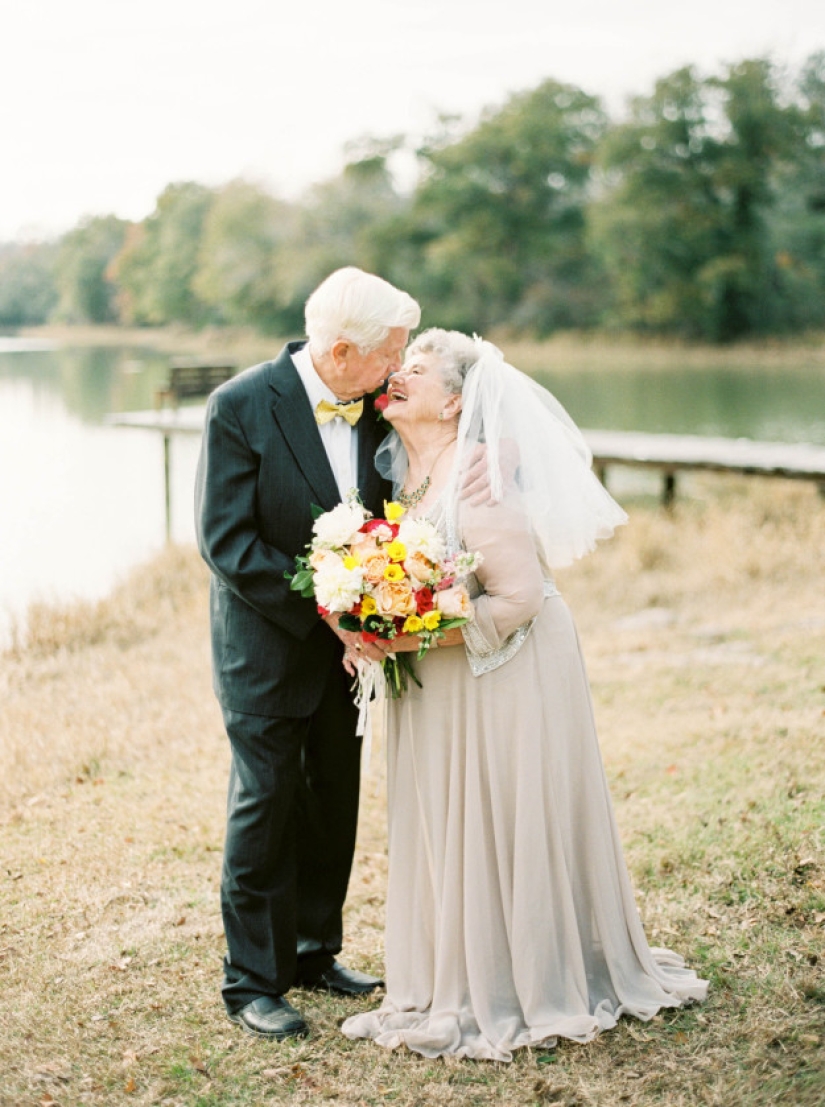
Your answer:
<point x="369" y="636"/>
<point x="424" y="600"/>
<point x="381" y="402"/>
<point x="373" y="524"/>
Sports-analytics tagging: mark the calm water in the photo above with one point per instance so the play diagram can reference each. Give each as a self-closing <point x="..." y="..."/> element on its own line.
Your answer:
<point x="81" y="502"/>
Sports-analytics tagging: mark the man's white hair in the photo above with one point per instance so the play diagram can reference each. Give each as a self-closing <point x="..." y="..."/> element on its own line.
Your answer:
<point x="359" y="308"/>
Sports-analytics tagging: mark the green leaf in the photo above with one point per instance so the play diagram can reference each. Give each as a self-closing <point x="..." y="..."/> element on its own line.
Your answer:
<point x="448" y="624"/>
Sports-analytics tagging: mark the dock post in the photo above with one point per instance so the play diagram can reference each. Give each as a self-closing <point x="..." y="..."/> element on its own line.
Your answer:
<point x="167" y="484"/>
<point x="669" y="488"/>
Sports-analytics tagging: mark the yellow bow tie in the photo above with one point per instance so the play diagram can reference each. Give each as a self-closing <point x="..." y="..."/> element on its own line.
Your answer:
<point x="325" y="411"/>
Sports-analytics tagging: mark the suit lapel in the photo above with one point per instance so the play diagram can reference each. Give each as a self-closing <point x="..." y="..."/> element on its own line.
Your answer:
<point x="293" y="414"/>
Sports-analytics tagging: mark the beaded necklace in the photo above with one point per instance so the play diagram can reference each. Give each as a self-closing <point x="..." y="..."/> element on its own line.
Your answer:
<point x="410" y="499"/>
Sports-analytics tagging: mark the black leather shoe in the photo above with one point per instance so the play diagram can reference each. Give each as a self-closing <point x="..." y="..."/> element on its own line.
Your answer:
<point x="270" y="1017"/>
<point x="342" y="981"/>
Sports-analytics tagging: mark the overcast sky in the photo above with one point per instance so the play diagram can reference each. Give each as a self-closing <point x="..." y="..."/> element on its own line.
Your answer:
<point x="104" y="103"/>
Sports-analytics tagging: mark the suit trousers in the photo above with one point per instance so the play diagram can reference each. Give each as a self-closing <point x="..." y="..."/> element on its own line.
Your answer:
<point x="292" y="815"/>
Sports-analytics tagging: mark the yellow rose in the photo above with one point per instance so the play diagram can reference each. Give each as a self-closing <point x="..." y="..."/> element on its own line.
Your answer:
<point x="431" y="620"/>
<point x="394" y="598"/>
<point x="395" y="551"/>
<point x="413" y="624"/>
<point x="393" y="573"/>
<point x="393" y="511"/>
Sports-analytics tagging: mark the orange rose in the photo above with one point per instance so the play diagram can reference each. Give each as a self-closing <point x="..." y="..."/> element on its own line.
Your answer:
<point x="393" y="598"/>
<point x="366" y="545"/>
<point x="418" y="568"/>
<point x="454" y="603"/>
<point x="374" y="563"/>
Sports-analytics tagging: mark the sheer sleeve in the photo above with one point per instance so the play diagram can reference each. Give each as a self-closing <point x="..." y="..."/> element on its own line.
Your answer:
<point x="510" y="577"/>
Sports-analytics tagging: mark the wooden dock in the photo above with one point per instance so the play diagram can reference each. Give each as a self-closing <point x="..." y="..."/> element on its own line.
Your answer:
<point x="668" y="453"/>
<point x="674" y="453"/>
<point x="167" y="422"/>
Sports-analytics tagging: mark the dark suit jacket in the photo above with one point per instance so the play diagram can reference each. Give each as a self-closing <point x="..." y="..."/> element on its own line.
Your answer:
<point x="262" y="466"/>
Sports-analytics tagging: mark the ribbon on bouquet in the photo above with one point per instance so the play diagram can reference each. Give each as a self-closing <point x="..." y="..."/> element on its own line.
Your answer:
<point x="368" y="688"/>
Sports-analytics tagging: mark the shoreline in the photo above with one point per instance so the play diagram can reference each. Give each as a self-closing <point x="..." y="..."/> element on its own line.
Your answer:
<point x="565" y="351"/>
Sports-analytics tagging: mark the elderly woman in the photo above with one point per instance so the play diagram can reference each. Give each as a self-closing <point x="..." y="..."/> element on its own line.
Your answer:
<point x="510" y="915"/>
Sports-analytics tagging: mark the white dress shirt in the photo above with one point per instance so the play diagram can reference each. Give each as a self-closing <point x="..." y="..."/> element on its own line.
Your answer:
<point x="339" y="438"/>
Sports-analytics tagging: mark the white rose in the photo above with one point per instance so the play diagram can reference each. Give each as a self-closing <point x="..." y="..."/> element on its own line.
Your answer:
<point x="420" y="536"/>
<point x="339" y="527"/>
<point x="323" y="557"/>
<point x="336" y="587"/>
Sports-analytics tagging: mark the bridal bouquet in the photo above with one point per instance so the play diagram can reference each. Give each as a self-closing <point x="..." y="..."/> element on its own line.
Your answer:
<point x="385" y="577"/>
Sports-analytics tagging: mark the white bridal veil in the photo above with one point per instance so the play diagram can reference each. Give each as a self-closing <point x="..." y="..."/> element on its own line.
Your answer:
<point x="532" y="449"/>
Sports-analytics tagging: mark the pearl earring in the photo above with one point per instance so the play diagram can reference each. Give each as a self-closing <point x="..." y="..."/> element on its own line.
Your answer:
<point x="440" y="416"/>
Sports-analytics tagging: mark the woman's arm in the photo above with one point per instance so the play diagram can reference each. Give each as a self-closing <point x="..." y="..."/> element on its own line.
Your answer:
<point x="510" y="572"/>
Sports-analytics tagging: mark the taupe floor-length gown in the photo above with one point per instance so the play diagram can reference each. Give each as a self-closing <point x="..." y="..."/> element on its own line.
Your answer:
<point x="510" y="915"/>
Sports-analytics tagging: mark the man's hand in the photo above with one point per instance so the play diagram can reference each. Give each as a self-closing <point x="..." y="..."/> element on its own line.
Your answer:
<point x="354" y="644"/>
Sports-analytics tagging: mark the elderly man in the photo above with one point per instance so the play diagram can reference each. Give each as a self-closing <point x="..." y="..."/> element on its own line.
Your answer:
<point x="280" y="437"/>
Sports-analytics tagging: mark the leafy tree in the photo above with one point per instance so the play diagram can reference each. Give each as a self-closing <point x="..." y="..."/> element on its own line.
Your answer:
<point x="344" y="219"/>
<point x="656" y="221"/>
<point x="689" y="185"/>
<point x="763" y="135"/>
<point x="499" y="215"/>
<point x="27" y="289"/>
<point x="796" y="226"/>
<point x="156" y="268"/>
<point x="87" y="292"/>
<point x="239" y="277"/>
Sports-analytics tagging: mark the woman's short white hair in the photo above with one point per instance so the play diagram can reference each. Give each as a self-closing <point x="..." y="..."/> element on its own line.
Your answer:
<point x="359" y="308"/>
<point x="457" y="354"/>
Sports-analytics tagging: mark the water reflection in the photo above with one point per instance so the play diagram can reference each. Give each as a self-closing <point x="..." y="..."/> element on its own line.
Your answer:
<point x="774" y="405"/>
<point x="80" y="502"/>
<point x="89" y="382"/>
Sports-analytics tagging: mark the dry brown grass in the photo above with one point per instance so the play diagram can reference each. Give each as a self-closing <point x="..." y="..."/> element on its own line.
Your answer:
<point x="704" y="632"/>
<point x="569" y="352"/>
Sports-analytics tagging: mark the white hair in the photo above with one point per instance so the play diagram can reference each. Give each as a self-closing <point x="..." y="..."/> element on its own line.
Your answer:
<point x="359" y="308"/>
<point x="457" y="354"/>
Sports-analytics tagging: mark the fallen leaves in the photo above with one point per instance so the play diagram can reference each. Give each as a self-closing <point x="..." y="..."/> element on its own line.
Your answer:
<point x="291" y="1074"/>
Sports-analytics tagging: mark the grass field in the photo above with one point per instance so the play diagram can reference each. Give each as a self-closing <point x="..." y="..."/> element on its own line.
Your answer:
<point x="704" y="632"/>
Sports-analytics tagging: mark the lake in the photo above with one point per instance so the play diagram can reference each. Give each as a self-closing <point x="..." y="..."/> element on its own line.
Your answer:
<point x="82" y="502"/>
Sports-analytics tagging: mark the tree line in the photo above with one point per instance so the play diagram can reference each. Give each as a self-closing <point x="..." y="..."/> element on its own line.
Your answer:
<point x="700" y="215"/>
